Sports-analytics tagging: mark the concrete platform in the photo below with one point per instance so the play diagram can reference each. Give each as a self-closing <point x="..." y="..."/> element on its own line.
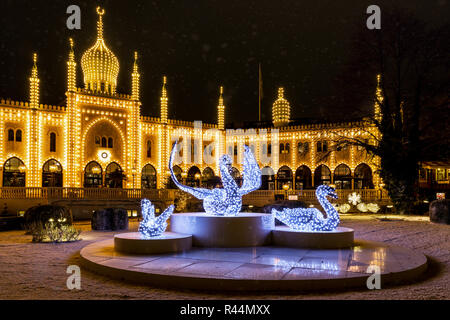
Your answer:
<point x="286" y="237"/>
<point x="258" y="268"/>
<point x="243" y="230"/>
<point x="134" y="243"/>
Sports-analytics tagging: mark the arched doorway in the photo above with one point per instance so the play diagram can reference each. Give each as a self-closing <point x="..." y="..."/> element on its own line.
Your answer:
<point x="93" y="175"/>
<point x="322" y="175"/>
<point x="343" y="177"/>
<point x="52" y="174"/>
<point x="193" y="177"/>
<point x="114" y="176"/>
<point x="284" y="176"/>
<point x="148" y="177"/>
<point x="267" y="179"/>
<point x="303" y="178"/>
<point x="208" y="178"/>
<point x="178" y="174"/>
<point x="14" y="173"/>
<point x="363" y="177"/>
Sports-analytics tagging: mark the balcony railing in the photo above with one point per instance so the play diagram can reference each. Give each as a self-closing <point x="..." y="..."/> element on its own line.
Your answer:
<point x="256" y="197"/>
<point x="84" y="193"/>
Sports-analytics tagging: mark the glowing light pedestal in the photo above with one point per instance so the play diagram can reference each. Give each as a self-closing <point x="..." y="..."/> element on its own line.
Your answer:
<point x="243" y="230"/>
<point x="134" y="243"/>
<point x="337" y="239"/>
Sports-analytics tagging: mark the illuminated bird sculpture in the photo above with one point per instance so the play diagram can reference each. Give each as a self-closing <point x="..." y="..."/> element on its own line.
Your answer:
<point x="226" y="201"/>
<point x="152" y="226"/>
<point x="311" y="219"/>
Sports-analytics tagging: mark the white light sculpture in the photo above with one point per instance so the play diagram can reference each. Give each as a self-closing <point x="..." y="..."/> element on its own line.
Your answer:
<point x="226" y="201"/>
<point x="151" y="226"/>
<point x="354" y="198"/>
<point x="311" y="219"/>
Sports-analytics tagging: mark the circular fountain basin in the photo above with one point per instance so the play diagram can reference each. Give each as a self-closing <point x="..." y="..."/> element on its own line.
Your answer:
<point x="243" y="230"/>
<point x="287" y="237"/>
<point x="134" y="243"/>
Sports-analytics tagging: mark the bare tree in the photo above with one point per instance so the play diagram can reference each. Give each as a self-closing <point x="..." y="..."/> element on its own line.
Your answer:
<point x="412" y="61"/>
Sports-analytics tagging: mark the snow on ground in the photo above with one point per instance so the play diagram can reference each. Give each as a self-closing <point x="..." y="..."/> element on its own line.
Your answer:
<point x="38" y="271"/>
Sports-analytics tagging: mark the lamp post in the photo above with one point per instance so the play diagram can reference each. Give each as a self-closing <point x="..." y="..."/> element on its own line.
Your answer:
<point x="286" y="188"/>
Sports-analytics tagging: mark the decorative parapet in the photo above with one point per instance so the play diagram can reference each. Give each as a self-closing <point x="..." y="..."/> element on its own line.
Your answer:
<point x="23" y="104"/>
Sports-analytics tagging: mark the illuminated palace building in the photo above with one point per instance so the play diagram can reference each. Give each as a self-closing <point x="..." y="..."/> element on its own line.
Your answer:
<point x="99" y="139"/>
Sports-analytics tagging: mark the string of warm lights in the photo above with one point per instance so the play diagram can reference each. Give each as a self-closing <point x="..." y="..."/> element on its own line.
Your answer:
<point x="98" y="102"/>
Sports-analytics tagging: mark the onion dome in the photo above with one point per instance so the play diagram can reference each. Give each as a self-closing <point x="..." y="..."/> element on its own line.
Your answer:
<point x="100" y="66"/>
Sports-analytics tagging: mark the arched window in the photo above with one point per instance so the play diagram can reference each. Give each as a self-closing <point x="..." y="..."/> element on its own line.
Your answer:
<point x="209" y="179"/>
<point x="284" y="176"/>
<point x="322" y="146"/>
<point x="149" y="149"/>
<point x="303" y="178"/>
<point x="104" y="144"/>
<point x="281" y="148"/>
<point x="303" y="147"/>
<point x="97" y="140"/>
<point x="114" y="176"/>
<point x="269" y="148"/>
<point x="52" y="142"/>
<point x="14" y="173"/>
<point x="110" y="142"/>
<point x="287" y="148"/>
<point x="343" y="177"/>
<point x="267" y="179"/>
<point x="193" y="177"/>
<point x="10" y="135"/>
<point x="52" y="174"/>
<point x="363" y="177"/>
<point x="148" y="177"/>
<point x="19" y="135"/>
<point x="322" y="175"/>
<point x="93" y="175"/>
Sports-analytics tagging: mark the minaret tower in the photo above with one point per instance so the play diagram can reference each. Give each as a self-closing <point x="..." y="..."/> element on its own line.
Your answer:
<point x="164" y="102"/>
<point x="33" y="140"/>
<point x="163" y="136"/>
<point x="135" y="80"/>
<point x="71" y="69"/>
<point x="281" y="110"/>
<point x="378" y="100"/>
<point x="34" y="85"/>
<point x="221" y="111"/>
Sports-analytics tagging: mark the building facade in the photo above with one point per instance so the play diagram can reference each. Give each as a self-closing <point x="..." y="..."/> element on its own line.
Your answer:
<point x="99" y="139"/>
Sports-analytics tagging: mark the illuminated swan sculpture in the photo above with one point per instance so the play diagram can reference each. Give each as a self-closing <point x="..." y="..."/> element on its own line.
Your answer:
<point x="152" y="226"/>
<point x="311" y="219"/>
<point x="226" y="201"/>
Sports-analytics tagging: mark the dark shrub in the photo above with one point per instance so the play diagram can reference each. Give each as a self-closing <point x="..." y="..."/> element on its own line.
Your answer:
<point x="110" y="219"/>
<point x="439" y="211"/>
<point x="60" y="215"/>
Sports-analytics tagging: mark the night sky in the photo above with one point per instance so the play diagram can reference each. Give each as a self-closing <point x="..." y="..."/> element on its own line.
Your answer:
<point x="199" y="45"/>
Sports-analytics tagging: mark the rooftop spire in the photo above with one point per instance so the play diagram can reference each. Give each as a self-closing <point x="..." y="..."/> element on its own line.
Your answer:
<point x="71" y="69"/>
<point x="100" y="13"/>
<point x="164" y="102"/>
<point x="34" y="70"/>
<point x="221" y="111"/>
<point x="135" y="79"/>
